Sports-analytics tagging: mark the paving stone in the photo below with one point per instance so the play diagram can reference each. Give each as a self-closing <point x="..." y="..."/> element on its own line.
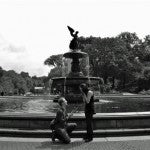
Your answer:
<point x="112" y="143"/>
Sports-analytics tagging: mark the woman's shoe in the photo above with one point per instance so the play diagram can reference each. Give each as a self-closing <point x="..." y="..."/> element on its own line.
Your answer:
<point x="89" y="140"/>
<point x="85" y="138"/>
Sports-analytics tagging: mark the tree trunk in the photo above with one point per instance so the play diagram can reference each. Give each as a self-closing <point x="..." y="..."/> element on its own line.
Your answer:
<point x="113" y="82"/>
<point x="105" y="79"/>
<point x="124" y="80"/>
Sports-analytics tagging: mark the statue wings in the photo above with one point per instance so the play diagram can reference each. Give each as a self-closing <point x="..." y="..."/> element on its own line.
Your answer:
<point x="71" y="31"/>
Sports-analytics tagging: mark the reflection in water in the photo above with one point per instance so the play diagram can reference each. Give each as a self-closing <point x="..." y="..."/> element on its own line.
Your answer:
<point x="27" y="105"/>
<point x="39" y="106"/>
<point x="106" y="105"/>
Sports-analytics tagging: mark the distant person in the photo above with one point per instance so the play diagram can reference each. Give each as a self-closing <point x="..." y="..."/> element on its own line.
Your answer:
<point x="88" y="99"/>
<point x="2" y="93"/>
<point x="62" y="129"/>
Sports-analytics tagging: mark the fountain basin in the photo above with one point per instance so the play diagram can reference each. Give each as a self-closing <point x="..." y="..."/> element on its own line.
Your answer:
<point x="69" y="87"/>
<point x="112" y="124"/>
<point x="132" y="120"/>
<point x="75" y="54"/>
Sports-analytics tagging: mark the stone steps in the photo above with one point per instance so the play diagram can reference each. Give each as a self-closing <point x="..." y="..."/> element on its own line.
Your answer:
<point x="7" y="132"/>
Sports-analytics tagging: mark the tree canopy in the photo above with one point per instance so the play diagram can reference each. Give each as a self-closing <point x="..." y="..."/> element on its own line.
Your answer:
<point x="121" y="61"/>
<point x="13" y="83"/>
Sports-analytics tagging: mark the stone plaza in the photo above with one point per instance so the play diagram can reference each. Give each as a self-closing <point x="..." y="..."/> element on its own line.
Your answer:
<point x="107" y="143"/>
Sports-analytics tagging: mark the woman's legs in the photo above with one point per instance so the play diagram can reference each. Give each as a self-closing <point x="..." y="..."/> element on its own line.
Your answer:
<point x="89" y="126"/>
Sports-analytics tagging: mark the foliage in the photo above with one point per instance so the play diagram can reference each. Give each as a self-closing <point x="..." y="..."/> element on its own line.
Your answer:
<point x="145" y="92"/>
<point x="54" y="60"/>
<point x="13" y="83"/>
<point x="7" y="85"/>
<point x="55" y="72"/>
<point x="121" y="61"/>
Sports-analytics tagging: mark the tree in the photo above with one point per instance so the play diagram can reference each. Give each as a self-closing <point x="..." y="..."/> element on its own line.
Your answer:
<point x="18" y="82"/>
<point x="118" y="60"/>
<point x="54" y="60"/>
<point x="134" y="53"/>
<point x="28" y="80"/>
<point x="143" y="81"/>
<point x="7" y="85"/>
<point x="131" y="39"/>
<point x="114" y="58"/>
<point x="55" y="72"/>
<point x="24" y="74"/>
<point x="1" y="71"/>
<point x="146" y="49"/>
<point x="105" y="56"/>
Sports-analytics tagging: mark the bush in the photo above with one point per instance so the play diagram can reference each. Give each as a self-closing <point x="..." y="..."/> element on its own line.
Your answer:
<point x="145" y="92"/>
<point x="106" y="88"/>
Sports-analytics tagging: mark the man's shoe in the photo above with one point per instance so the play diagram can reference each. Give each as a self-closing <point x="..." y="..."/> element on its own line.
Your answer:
<point x="89" y="140"/>
<point x="85" y="138"/>
<point x="53" y="136"/>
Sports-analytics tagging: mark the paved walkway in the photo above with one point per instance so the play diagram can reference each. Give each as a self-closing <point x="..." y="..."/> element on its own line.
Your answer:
<point x="110" y="143"/>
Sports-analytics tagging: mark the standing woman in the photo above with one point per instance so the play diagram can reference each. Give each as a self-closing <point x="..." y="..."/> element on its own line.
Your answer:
<point x="88" y="99"/>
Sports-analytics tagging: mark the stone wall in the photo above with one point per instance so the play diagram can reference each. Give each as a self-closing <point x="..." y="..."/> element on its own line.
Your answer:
<point x="101" y="120"/>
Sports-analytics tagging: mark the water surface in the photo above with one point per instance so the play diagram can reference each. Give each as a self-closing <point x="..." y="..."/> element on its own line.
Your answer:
<point x="105" y="105"/>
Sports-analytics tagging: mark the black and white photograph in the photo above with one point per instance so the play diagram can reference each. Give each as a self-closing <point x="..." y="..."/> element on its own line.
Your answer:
<point x="74" y="75"/>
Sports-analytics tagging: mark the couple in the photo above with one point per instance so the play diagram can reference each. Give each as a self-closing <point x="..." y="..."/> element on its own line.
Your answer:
<point x="62" y="129"/>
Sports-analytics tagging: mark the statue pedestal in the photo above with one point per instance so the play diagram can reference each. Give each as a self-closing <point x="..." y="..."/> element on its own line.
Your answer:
<point x="75" y="64"/>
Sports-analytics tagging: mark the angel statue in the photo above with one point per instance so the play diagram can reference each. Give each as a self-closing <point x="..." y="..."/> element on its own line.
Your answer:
<point x="74" y="42"/>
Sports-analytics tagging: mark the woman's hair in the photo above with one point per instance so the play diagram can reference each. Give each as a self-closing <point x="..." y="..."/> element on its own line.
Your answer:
<point x="84" y="88"/>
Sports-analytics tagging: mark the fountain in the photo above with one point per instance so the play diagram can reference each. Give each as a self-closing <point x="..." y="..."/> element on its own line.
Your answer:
<point x="68" y="86"/>
<point x="105" y="123"/>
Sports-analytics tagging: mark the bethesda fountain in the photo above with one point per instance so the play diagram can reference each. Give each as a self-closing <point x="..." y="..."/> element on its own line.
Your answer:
<point x="68" y="85"/>
<point x="31" y="123"/>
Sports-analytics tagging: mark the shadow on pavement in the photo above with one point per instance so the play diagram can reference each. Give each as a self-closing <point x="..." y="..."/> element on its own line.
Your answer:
<point x="59" y="145"/>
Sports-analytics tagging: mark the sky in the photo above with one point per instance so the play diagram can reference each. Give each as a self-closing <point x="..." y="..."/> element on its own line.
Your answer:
<point x="33" y="30"/>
